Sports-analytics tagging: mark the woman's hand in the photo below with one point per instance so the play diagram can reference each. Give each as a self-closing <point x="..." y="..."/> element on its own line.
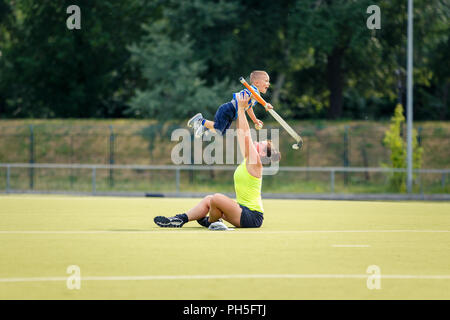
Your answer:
<point x="243" y="99"/>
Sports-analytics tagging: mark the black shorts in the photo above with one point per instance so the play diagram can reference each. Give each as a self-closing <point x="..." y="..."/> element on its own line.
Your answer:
<point x="224" y="117"/>
<point x="251" y="218"/>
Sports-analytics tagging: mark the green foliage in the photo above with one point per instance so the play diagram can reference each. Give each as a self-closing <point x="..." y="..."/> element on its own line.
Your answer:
<point x="322" y="59"/>
<point x="394" y="141"/>
<point x="175" y="84"/>
<point x="50" y="71"/>
<point x="174" y="87"/>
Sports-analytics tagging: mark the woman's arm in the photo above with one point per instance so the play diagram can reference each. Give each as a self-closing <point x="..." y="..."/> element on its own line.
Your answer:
<point x="244" y="137"/>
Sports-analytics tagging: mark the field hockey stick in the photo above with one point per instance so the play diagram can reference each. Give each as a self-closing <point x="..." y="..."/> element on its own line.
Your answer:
<point x="274" y="114"/>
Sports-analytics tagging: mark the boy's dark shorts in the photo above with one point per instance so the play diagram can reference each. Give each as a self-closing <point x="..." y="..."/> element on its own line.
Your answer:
<point x="251" y="218"/>
<point x="224" y="117"/>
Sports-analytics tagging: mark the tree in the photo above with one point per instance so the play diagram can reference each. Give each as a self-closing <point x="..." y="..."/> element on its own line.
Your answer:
<point x="50" y="71"/>
<point x="174" y="88"/>
<point x="396" y="144"/>
<point x="174" y="65"/>
<point x="431" y="33"/>
<point x="5" y="18"/>
<point x="336" y="31"/>
<point x="322" y="58"/>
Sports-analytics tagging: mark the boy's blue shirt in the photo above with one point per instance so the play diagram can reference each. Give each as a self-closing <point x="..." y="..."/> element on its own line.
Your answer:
<point x="251" y="103"/>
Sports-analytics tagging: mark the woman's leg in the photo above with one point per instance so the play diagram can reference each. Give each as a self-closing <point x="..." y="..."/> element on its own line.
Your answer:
<point x="200" y="210"/>
<point x="226" y="208"/>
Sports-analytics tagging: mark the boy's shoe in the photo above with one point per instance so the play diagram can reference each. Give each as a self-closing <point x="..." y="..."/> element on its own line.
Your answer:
<point x="195" y="121"/>
<point x="171" y="222"/>
<point x="200" y="131"/>
<point x="218" y="226"/>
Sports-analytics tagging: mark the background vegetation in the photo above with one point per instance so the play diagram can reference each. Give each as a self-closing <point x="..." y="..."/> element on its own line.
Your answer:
<point x="327" y="144"/>
<point x="166" y="59"/>
<point x="112" y="92"/>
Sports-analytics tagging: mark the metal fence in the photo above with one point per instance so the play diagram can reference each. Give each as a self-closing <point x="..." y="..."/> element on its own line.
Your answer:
<point x="341" y="158"/>
<point x="355" y="145"/>
<point x="177" y="188"/>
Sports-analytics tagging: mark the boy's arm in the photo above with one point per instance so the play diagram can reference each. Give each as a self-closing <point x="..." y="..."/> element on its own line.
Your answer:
<point x="252" y="116"/>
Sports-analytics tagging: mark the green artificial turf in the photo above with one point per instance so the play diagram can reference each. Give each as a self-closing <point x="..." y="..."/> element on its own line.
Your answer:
<point x="301" y="251"/>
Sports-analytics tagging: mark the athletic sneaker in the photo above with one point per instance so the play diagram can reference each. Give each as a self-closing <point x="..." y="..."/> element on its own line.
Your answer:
<point x="200" y="131"/>
<point x="171" y="222"/>
<point x="195" y="121"/>
<point x="218" y="226"/>
<point x="207" y="134"/>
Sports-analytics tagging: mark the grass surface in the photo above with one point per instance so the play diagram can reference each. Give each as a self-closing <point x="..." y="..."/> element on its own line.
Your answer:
<point x="285" y="259"/>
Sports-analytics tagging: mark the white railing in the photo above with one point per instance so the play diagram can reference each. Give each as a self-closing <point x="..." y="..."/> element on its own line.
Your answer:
<point x="178" y="168"/>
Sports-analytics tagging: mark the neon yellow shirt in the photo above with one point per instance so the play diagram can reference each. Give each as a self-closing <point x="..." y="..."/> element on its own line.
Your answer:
<point x="248" y="188"/>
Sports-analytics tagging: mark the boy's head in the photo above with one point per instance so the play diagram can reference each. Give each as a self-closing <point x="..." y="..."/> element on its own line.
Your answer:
<point x="260" y="79"/>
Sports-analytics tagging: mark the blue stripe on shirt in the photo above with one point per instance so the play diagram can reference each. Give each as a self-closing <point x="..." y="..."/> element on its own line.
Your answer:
<point x="251" y="103"/>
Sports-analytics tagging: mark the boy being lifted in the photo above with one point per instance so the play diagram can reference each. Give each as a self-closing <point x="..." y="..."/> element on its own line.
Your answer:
<point x="227" y="112"/>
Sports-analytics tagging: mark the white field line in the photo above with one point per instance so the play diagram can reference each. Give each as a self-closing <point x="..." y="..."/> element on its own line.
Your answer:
<point x="204" y="231"/>
<point x="227" y="277"/>
<point x="350" y="245"/>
